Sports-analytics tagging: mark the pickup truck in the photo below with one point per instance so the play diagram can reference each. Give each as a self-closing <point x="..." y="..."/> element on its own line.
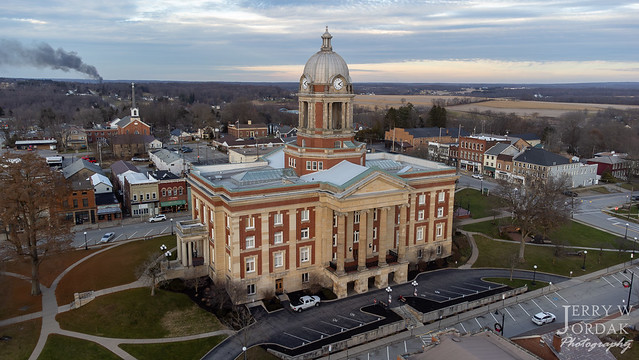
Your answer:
<point x="306" y="302"/>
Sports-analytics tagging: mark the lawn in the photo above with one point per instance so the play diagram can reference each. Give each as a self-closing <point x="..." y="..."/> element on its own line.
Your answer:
<point x="517" y="283"/>
<point x="64" y="348"/>
<point x="630" y="354"/>
<point x="114" y="267"/>
<point x="24" y="337"/>
<point x="498" y="254"/>
<point x="193" y="349"/>
<point x="461" y="250"/>
<point x="479" y="205"/>
<point x="52" y="266"/>
<point x="16" y="299"/>
<point x="136" y="314"/>
<point x="570" y="234"/>
<point x="627" y="214"/>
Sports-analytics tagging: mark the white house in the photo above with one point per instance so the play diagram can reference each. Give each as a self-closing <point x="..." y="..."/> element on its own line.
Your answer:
<point x="168" y="160"/>
<point x="101" y="184"/>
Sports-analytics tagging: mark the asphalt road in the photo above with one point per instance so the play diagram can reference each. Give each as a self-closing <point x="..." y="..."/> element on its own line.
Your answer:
<point x="588" y="209"/>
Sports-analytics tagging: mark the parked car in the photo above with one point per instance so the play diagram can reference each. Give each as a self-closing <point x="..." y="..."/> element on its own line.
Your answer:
<point x="186" y="149"/>
<point x="158" y="217"/>
<point x="107" y="237"/>
<point x="306" y="302"/>
<point x="543" y="317"/>
<point x="478" y="176"/>
<point x="570" y="193"/>
<point x="635" y="198"/>
<point x="90" y="159"/>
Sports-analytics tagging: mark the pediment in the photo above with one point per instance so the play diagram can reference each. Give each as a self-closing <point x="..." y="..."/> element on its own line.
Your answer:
<point x="377" y="183"/>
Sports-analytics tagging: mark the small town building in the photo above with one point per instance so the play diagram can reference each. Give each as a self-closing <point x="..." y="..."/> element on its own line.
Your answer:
<point x="247" y="131"/>
<point x="166" y="160"/>
<point x="173" y="191"/>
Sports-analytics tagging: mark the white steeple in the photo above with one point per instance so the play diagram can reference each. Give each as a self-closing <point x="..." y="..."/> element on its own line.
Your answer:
<point x="134" y="110"/>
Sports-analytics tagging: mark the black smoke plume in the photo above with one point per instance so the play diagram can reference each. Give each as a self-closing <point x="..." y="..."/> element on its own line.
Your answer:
<point x="43" y="55"/>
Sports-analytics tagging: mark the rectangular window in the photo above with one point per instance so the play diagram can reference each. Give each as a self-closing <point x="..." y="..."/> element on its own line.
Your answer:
<point x="305" y="253"/>
<point x="278" y="259"/>
<point x="356" y="217"/>
<point x="439" y="249"/>
<point x="314" y="165"/>
<point x="148" y="196"/>
<point x="163" y="192"/>
<point x="440" y="229"/>
<point x="420" y="233"/>
<point x="334" y="239"/>
<point x="135" y="198"/>
<point x="250" y="289"/>
<point x="228" y="221"/>
<point x="320" y="165"/>
<point x="356" y="236"/>
<point x="170" y="192"/>
<point x="305" y="215"/>
<point x="442" y="196"/>
<point x="277" y="219"/>
<point x="374" y="233"/>
<point x="181" y="190"/>
<point x="85" y="202"/>
<point x="305" y="277"/>
<point x="440" y="212"/>
<point x="375" y="214"/>
<point x="250" y="264"/>
<point x="334" y="220"/>
<point x="250" y="242"/>
<point x="420" y="215"/>
<point x="153" y="195"/>
<point x="420" y="253"/>
<point x="228" y="259"/>
<point x="250" y="222"/>
<point x="308" y="165"/>
<point x="305" y="233"/>
<point x="422" y="199"/>
<point x="334" y="256"/>
<point x="278" y="237"/>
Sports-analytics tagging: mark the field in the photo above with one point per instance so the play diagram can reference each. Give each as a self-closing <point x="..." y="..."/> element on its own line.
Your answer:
<point x="519" y="107"/>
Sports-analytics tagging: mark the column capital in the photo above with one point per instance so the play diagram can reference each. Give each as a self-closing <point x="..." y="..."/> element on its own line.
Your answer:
<point x="340" y="213"/>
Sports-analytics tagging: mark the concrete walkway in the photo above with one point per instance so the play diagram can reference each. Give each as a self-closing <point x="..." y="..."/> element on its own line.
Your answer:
<point x="50" y="309"/>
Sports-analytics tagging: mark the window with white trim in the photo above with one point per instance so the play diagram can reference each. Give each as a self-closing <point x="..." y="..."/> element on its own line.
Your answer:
<point x="153" y="195"/>
<point x="419" y="235"/>
<point x="356" y="236"/>
<point x="334" y="256"/>
<point x="375" y="214"/>
<point x="228" y="221"/>
<point x="422" y="199"/>
<point x="320" y="165"/>
<point x="148" y="196"/>
<point x="278" y="237"/>
<point x="212" y="234"/>
<point x="278" y="219"/>
<point x="308" y="165"/>
<point x="135" y="197"/>
<point x="442" y="196"/>
<point x="374" y="233"/>
<point x="334" y="220"/>
<point x="314" y="165"/>
<point x="305" y="233"/>
<point x="356" y="217"/>
<point x="305" y="215"/>
<point x="439" y="250"/>
<point x="305" y="277"/>
<point x="250" y="242"/>
<point x="440" y="229"/>
<point x="228" y="259"/>
<point x="334" y="239"/>
<point x="170" y="192"/>
<point x="250" y="222"/>
<point x="250" y="264"/>
<point x="181" y="190"/>
<point x="440" y="211"/>
<point x="250" y="289"/>
<point x="305" y="254"/>
<point x="163" y="192"/>
<point x="420" y="215"/>
<point x="278" y="259"/>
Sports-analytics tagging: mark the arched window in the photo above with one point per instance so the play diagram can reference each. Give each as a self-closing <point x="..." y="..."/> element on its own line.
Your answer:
<point x="169" y="192"/>
<point x="181" y="190"/>
<point x="163" y="192"/>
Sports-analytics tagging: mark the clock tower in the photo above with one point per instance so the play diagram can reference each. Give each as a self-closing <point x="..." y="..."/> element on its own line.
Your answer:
<point x="325" y="134"/>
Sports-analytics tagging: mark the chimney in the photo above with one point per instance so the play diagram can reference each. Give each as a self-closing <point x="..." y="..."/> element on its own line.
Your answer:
<point x="249" y="122"/>
<point x="556" y="342"/>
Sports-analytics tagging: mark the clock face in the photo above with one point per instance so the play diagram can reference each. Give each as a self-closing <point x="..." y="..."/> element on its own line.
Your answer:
<point x="305" y="83"/>
<point x="338" y="83"/>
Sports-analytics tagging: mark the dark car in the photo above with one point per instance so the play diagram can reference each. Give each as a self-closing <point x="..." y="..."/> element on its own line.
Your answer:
<point x="570" y="193"/>
<point x="187" y="150"/>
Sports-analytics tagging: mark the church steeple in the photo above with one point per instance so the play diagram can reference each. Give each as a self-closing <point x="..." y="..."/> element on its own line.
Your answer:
<point x="134" y="110"/>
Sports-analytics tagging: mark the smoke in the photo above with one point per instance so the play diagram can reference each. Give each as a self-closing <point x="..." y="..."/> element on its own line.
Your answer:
<point x="43" y="55"/>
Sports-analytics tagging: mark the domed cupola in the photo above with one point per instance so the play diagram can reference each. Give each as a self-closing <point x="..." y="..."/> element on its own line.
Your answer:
<point x="325" y="66"/>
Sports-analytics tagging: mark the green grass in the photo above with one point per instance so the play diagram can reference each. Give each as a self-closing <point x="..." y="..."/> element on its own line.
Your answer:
<point x="623" y="213"/>
<point x="136" y="314"/>
<point x="65" y="348"/>
<point x="632" y="353"/>
<point x="480" y="205"/>
<point x="498" y="254"/>
<point x="630" y="187"/>
<point x="193" y="349"/>
<point x="24" y="337"/>
<point x="517" y="283"/>
<point x="600" y="189"/>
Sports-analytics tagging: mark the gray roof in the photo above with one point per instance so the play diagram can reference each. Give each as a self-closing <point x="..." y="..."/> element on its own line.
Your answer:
<point x="324" y="65"/>
<point x="163" y="175"/>
<point x="78" y="165"/>
<point x="541" y="157"/>
<point x="431" y="132"/>
<point x="497" y="149"/>
<point x="526" y="136"/>
<point x="120" y="167"/>
<point x="607" y="160"/>
<point x="167" y="156"/>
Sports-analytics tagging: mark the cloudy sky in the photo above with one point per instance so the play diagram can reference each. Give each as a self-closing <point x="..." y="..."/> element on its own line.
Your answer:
<point x="527" y="41"/>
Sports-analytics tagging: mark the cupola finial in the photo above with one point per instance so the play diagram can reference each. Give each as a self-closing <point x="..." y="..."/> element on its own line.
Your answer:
<point x="326" y="41"/>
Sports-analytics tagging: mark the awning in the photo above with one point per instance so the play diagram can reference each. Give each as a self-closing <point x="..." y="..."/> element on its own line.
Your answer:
<point x="109" y="211"/>
<point x="173" y="203"/>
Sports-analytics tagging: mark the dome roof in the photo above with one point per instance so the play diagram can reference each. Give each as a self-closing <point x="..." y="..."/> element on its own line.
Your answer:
<point x="325" y="64"/>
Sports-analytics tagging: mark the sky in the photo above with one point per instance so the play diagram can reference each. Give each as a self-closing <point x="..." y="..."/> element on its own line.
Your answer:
<point x="432" y="41"/>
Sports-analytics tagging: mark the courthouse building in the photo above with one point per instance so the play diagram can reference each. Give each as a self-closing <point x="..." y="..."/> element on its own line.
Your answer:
<point x="320" y="209"/>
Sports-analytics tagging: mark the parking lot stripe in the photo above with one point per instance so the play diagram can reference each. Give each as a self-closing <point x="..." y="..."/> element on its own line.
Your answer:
<point x="493" y="315"/>
<point x="476" y="285"/>
<point x="147" y="234"/>
<point x="347" y="318"/>
<point x="607" y="281"/>
<point x="317" y="331"/>
<point x="117" y="237"/>
<point x="164" y="230"/>
<point x="624" y="275"/>
<point x="616" y="278"/>
<point x="462" y="325"/>
<point x="525" y="309"/>
<point x="556" y="293"/>
<point x="478" y="323"/>
<point x="327" y="323"/>
<point x="132" y="235"/>
<point x="533" y="300"/>
<point x="511" y="315"/>
<point x="297" y="337"/>
<point x="552" y="302"/>
<point x="459" y="287"/>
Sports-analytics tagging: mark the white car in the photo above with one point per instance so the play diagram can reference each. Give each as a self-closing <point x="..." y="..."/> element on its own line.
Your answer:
<point x="306" y="302"/>
<point x="543" y="317"/>
<point x="107" y="237"/>
<point x="478" y="176"/>
<point x="158" y="217"/>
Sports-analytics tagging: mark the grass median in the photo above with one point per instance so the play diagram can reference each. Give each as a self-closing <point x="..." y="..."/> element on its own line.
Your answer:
<point x="136" y="314"/>
<point x="64" y="347"/>
<point x="192" y="349"/>
<point x="479" y="205"/>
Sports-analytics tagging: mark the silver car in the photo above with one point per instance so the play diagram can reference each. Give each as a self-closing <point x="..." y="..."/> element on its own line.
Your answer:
<point x="107" y="237"/>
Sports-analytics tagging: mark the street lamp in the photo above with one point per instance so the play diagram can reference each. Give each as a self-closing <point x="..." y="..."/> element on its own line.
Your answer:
<point x="625" y="237"/>
<point x="168" y="261"/>
<point x="86" y="246"/>
<point x="389" y="291"/>
<point x="171" y="226"/>
<point x="534" y="274"/>
<point x="244" y="351"/>
<point x="629" y="285"/>
<point x="571" y="273"/>
<point x="414" y="283"/>
<point x="583" y="267"/>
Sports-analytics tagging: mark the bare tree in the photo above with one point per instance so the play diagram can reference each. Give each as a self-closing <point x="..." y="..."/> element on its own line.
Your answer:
<point x="32" y="211"/>
<point x="150" y="272"/>
<point x="536" y="206"/>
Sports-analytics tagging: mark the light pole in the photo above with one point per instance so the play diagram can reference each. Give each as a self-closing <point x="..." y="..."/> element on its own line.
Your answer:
<point x="389" y="291"/>
<point x="244" y="351"/>
<point x="167" y="254"/>
<point x="634" y="244"/>
<point x="625" y="236"/>
<point x="86" y="246"/>
<point x="414" y="283"/>
<point x="171" y="226"/>
<point x="632" y="277"/>
<point x="570" y="273"/>
<point x="583" y="267"/>
<point x="534" y="274"/>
